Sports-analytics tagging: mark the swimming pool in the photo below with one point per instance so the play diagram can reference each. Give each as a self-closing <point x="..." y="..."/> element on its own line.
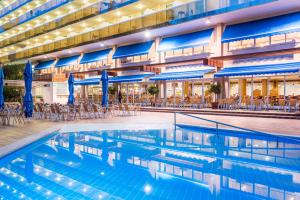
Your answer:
<point x="183" y="163"/>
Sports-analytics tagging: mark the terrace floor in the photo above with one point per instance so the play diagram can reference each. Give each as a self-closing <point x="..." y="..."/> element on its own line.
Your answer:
<point x="16" y="136"/>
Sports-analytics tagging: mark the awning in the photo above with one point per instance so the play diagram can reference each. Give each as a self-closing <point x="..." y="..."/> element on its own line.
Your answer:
<point x="129" y="78"/>
<point x="167" y="76"/>
<point x="186" y="40"/>
<point x="63" y="62"/>
<point x="95" y="56"/>
<point x="133" y="50"/>
<point x="44" y="65"/>
<point x="260" y="70"/>
<point x="88" y="81"/>
<point x="262" y="28"/>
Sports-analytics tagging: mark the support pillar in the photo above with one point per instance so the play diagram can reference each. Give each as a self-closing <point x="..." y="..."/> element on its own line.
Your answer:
<point x="203" y="95"/>
<point x="242" y="89"/>
<point x="127" y="93"/>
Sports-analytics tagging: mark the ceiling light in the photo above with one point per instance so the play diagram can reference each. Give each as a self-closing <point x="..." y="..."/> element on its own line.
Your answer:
<point x="70" y="51"/>
<point x="101" y="44"/>
<point x="140" y="6"/>
<point x="119" y="13"/>
<point x="207" y="21"/>
<point x="147" y="34"/>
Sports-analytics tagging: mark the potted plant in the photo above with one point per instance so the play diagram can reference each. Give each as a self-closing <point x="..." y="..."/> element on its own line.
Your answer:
<point x="153" y="90"/>
<point x="216" y="90"/>
<point x="112" y="91"/>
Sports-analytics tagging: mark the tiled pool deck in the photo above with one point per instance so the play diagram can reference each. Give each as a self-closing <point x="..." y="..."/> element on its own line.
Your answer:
<point x="14" y="137"/>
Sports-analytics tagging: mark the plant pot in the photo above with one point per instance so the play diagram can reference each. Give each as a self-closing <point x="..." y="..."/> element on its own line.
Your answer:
<point x="214" y="105"/>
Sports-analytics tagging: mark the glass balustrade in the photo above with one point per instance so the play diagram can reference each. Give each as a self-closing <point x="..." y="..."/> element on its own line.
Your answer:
<point x="159" y="18"/>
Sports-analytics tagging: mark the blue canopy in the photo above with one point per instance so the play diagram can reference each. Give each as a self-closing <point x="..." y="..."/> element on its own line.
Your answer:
<point x="133" y="50"/>
<point x="196" y="74"/>
<point x="27" y="100"/>
<point x="262" y="28"/>
<point x="88" y="81"/>
<point x="71" y="98"/>
<point x="95" y="56"/>
<point x="104" y="80"/>
<point x="1" y="88"/>
<point x="260" y="70"/>
<point x="44" y="65"/>
<point x="186" y="40"/>
<point x="129" y="78"/>
<point x="63" y="62"/>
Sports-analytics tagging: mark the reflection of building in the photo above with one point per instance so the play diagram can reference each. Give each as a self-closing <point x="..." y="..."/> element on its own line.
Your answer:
<point x="249" y="45"/>
<point x="115" y="163"/>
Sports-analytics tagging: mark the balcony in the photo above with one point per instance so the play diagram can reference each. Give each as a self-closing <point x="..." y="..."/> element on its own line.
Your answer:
<point x="168" y="16"/>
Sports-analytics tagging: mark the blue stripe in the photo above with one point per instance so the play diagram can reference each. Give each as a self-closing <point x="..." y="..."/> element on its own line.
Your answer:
<point x="44" y="65"/>
<point x="133" y="50"/>
<point x="262" y="28"/>
<point x="63" y="62"/>
<point x="95" y="56"/>
<point x="260" y="70"/>
<point x="88" y="81"/>
<point x="196" y="74"/>
<point x="35" y="15"/>
<point x="12" y="9"/>
<point x="186" y="40"/>
<point x="129" y="78"/>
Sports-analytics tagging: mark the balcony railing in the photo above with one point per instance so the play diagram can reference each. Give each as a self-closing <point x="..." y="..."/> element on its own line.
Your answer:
<point x="74" y="17"/>
<point x="12" y="7"/>
<point x="50" y="5"/>
<point x="205" y="8"/>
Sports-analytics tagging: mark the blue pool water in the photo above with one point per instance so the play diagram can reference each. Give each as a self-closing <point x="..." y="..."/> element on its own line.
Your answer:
<point x="186" y="163"/>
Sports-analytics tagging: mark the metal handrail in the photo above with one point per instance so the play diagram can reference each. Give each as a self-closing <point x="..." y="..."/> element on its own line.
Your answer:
<point x="231" y="126"/>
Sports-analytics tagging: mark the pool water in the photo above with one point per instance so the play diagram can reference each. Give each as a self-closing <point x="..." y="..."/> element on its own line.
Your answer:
<point x="182" y="163"/>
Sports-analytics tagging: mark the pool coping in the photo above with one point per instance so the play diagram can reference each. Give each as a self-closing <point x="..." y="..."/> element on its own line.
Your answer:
<point x="67" y="128"/>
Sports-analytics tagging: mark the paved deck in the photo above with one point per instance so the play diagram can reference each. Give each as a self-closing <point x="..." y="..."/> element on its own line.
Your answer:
<point x="35" y="129"/>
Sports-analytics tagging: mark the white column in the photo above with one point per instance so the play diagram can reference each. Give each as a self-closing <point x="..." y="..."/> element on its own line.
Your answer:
<point x="193" y="89"/>
<point x="173" y="83"/>
<point x="252" y="90"/>
<point x="182" y="92"/>
<point x="202" y="95"/>
<point x="228" y="88"/>
<point x="268" y="91"/>
<point x="140" y="93"/>
<point x="127" y="93"/>
<point x="284" y="87"/>
<point x="133" y="94"/>
<point x="165" y="92"/>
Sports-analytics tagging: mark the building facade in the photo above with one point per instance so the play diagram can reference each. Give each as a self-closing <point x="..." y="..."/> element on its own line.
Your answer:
<point x="249" y="47"/>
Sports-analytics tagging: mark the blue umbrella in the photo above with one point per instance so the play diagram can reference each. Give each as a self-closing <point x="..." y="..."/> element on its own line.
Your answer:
<point x="27" y="100"/>
<point x="71" y="98"/>
<point x="1" y="88"/>
<point x="104" y="80"/>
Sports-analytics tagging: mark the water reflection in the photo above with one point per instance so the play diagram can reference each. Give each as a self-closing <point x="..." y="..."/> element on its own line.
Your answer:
<point x="190" y="163"/>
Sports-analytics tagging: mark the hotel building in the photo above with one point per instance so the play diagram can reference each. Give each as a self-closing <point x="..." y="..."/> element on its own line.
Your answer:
<point x="250" y="47"/>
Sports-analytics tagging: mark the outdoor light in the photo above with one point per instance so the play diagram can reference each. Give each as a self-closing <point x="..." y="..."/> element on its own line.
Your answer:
<point x="100" y="196"/>
<point x="147" y="34"/>
<point x="207" y="21"/>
